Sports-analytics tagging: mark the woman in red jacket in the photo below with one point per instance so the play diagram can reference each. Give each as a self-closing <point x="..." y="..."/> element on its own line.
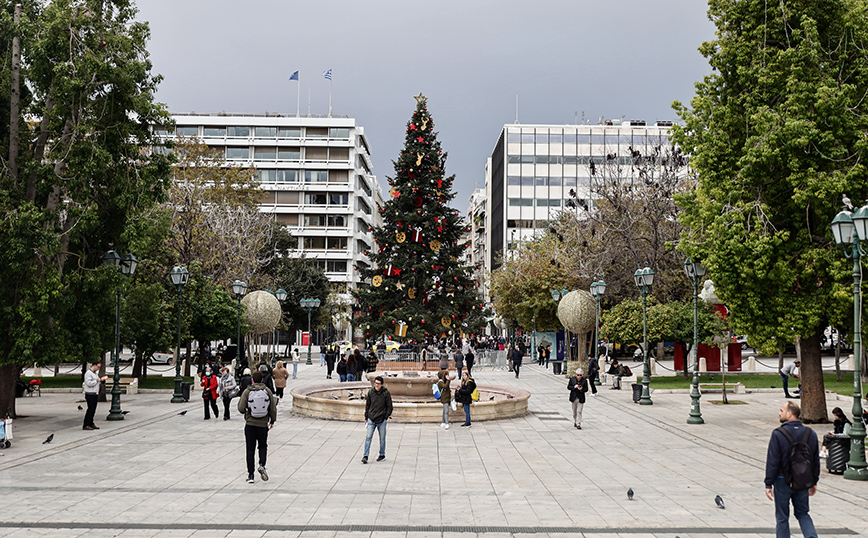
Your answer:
<point x="209" y="393"/>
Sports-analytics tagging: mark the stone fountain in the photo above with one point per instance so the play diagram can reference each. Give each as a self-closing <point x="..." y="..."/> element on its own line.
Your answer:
<point x="412" y="399"/>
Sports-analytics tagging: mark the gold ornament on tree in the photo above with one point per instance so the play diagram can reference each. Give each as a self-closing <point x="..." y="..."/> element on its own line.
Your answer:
<point x="377" y="281"/>
<point x="400" y="237"/>
<point x="446" y="321"/>
<point x="435" y="245"/>
<point x="419" y="159"/>
<point x="411" y="293"/>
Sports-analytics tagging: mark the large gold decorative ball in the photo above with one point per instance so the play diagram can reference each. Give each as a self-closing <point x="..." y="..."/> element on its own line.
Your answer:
<point x="577" y="311"/>
<point x="262" y="311"/>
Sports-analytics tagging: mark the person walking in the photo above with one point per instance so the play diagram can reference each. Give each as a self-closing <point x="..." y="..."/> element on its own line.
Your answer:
<point x="296" y="356"/>
<point x="342" y="369"/>
<point x="266" y="376"/>
<point x="259" y="407"/>
<point x="469" y="359"/>
<point x="517" y="356"/>
<point x="351" y="367"/>
<point x="378" y="409"/>
<point x="227" y="388"/>
<point x="209" y="393"/>
<point x="373" y="361"/>
<point x="789" y="371"/>
<point x="443" y="363"/>
<point x="280" y="374"/>
<point x="593" y="373"/>
<point x="458" y="357"/>
<point x="464" y="395"/>
<point x="330" y="357"/>
<point x="777" y="465"/>
<point x="445" y="395"/>
<point x="91" y="394"/>
<point x="246" y="380"/>
<point x="578" y="387"/>
<point x="547" y="354"/>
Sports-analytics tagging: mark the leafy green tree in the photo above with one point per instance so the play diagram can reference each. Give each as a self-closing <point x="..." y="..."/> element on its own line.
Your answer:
<point x="776" y="134"/>
<point x="415" y="276"/>
<point x="211" y="310"/>
<point x="301" y="278"/>
<point x="80" y="102"/>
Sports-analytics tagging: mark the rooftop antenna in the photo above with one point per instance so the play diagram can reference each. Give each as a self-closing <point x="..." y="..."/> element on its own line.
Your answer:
<point x="576" y="118"/>
<point x="516" y="109"/>
<point x="308" y="101"/>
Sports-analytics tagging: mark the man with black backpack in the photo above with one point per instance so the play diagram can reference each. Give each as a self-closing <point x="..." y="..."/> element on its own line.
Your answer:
<point x="259" y="407"/>
<point x="792" y="471"/>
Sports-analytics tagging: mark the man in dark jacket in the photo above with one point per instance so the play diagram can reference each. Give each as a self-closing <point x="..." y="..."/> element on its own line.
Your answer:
<point x="378" y="409"/>
<point x="517" y="356"/>
<point x="256" y="428"/>
<point x="777" y="460"/>
<point x="577" y="386"/>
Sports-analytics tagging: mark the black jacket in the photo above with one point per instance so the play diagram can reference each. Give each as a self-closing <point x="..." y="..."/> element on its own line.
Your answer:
<point x="778" y="456"/>
<point x="378" y="405"/>
<point x="462" y="396"/>
<point x="577" y="389"/>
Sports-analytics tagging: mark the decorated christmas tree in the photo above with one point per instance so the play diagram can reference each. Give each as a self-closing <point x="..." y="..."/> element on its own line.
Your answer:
<point x="416" y="286"/>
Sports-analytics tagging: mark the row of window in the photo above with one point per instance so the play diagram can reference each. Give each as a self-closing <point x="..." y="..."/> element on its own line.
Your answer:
<point x="324" y="243"/>
<point x="310" y="176"/>
<point x="333" y="266"/>
<point x="623" y="160"/>
<point x="529" y="202"/>
<point x="613" y="138"/>
<point x="325" y="221"/>
<point x="286" y="154"/>
<point x="208" y="131"/>
<point x="310" y="198"/>
<point x="547" y="181"/>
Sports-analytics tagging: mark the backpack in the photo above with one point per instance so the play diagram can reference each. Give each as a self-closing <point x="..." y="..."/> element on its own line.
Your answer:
<point x="257" y="403"/>
<point x="799" y="472"/>
<point x="627" y="371"/>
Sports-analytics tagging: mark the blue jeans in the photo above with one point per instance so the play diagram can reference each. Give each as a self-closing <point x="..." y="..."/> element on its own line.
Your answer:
<point x="351" y="377"/>
<point x="294" y="369"/>
<point x="343" y="377"/>
<point x="466" y="413"/>
<point x="370" y="426"/>
<point x="785" y="378"/>
<point x="783" y="495"/>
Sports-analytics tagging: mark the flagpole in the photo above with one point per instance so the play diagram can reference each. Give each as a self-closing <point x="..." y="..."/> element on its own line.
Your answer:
<point x="298" y="99"/>
<point x="330" y="97"/>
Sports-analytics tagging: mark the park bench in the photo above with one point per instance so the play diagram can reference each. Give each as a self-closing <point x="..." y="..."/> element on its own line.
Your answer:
<point x="128" y="385"/>
<point x="737" y="388"/>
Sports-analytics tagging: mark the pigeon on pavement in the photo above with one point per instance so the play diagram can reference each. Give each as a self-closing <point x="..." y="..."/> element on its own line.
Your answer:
<point x="80" y="408"/>
<point x="124" y="412"/>
<point x="49" y="439"/>
<point x="630" y="494"/>
<point x="718" y="500"/>
<point x="182" y="413"/>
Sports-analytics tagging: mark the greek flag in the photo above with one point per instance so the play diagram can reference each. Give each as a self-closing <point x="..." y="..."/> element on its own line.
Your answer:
<point x="327" y="74"/>
<point x="294" y="76"/>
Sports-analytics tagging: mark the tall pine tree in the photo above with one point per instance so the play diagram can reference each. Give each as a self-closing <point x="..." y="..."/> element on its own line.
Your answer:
<point x="416" y="277"/>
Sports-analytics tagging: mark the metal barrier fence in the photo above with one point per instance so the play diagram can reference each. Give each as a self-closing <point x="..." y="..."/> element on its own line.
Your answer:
<point x="484" y="359"/>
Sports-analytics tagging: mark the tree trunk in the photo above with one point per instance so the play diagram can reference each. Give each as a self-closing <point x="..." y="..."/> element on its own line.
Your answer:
<point x="8" y="379"/>
<point x="811" y="376"/>
<point x="686" y="351"/>
<point x="14" y="98"/>
<point x="838" y="360"/>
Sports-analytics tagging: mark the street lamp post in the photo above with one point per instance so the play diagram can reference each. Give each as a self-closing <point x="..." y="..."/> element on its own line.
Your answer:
<point x="127" y="263"/>
<point x="309" y="305"/>
<point x="850" y="229"/>
<point x="239" y="288"/>
<point x="695" y="271"/>
<point x="179" y="276"/>
<point x="597" y="290"/>
<point x="281" y="295"/>
<point x="644" y="278"/>
<point x="557" y="296"/>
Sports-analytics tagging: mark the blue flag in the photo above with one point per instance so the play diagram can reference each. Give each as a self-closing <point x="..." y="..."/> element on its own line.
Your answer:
<point x="327" y="74"/>
<point x="294" y="76"/>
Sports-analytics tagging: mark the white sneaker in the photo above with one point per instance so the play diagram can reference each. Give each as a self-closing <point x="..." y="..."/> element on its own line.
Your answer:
<point x="442" y="425"/>
<point x="447" y="426"/>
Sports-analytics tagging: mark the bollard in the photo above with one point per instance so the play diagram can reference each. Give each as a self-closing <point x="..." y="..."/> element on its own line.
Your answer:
<point x="702" y="366"/>
<point x="848" y="365"/>
<point x="653" y="365"/>
<point x="751" y="363"/>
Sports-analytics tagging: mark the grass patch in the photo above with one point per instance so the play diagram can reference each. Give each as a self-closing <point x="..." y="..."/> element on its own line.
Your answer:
<point x="75" y="381"/>
<point x="761" y="381"/>
<point x="728" y="402"/>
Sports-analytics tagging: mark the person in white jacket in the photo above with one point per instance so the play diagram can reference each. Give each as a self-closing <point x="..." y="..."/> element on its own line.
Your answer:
<point x="295" y="357"/>
<point x="91" y="393"/>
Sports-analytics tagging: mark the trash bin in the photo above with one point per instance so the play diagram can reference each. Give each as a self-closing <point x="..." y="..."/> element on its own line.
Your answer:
<point x="185" y="390"/>
<point x="556" y="367"/>
<point x="838" y="447"/>
<point x="637" y="392"/>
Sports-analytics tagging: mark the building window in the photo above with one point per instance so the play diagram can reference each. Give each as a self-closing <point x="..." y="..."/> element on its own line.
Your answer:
<point x="315" y="198"/>
<point x="316" y="176"/>
<point x="237" y="153"/>
<point x="314" y="243"/>
<point x="264" y="154"/>
<point x="289" y="132"/>
<point x="239" y="131"/>
<point x="541" y="181"/>
<point x="337" y="243"/>
<point x="555" y="138"/>
<point x="513" y="180"/>
<point x="267" y="176"/>
<point x="513" y="137"/>
<point x="287" y="176"/>
<point x="265" y="132"/>
<point x="214" y="131"/>
<point x="316" y="132"/>
<point x="315" y="154"/>
<point x="187" y="131"/>
<point x="542" y="138"/>
<point x="554" y="181"/>
<point x="514" y="202"/>
<point x="527" y="138"/>
<point x="339" y="132"/>
<point x="315" y="221"/>
<point x="364" y="185"/>
<point x="289" y="154"/>
<point x="339" y="199"/>
<point x="339" y="154"/>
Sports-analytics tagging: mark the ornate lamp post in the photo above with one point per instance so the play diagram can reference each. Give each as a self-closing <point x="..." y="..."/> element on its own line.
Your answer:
<point x="695" y="271"/>
<point x="179" y="276"/>
<point x="849" y="230"/>
<point x="644" y="278"/>
<point x="127" y="263"/>
<point x="597" y="290"/>
<point x="310" y="305"/>
<point x="239" y="288"/>
<point x="281" y="296"/>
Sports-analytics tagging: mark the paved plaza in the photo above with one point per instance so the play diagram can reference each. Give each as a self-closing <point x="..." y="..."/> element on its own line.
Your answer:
<point x="161" y="474"/>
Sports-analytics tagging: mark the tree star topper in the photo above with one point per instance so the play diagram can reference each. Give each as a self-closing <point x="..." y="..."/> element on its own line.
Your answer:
<point x="421" y="100"/>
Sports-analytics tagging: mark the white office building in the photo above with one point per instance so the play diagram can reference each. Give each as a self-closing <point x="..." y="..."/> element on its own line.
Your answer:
<point x="532" y="169"/>
<point x="317" y="176"/>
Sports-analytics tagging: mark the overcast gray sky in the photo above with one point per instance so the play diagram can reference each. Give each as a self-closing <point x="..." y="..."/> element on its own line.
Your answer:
<point x="563" y="59"/>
